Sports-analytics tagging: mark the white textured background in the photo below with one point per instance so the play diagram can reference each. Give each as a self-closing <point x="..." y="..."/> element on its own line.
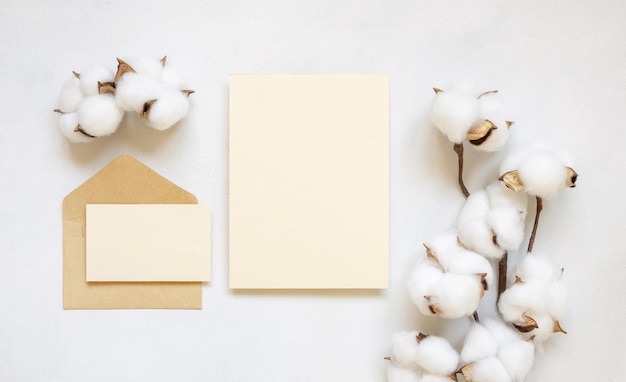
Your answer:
<point x="560" y="65"/>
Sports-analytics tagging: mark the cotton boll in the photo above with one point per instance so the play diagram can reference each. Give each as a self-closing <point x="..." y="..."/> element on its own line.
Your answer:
<point x="486" y="370"/>
<point x="458" y="295"/>
<point x="89" y="79"/>
<point x="453" y="113"/>
<point x="400" y="374"/>
<point x="478" y="344"/>
<point x="133" y="90"/>
<point x="535" y="267"/>
<point x="99" y="115"/>
<point x="528" y="297"/>
<point x="404" y="349"/>
<point x="479" y="238"/>
<point x="168" y="109"/>
<point x="476" y="207"/>
<point x="436" y="356"/>
<point x="474" y="231"/>
<point x="508" y="225"/>
<point x="71" y="95"/>
<point x="470" y="263"/>
<point x="517" y="357"/>
<point x="424" y="281"/>
<point x="542" y="175"/>
<point x="67" y="125"/>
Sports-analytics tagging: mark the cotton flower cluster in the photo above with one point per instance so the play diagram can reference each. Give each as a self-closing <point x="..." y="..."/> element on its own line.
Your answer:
<point x="537" y="300"/>
<point x="538" y="169"/>
<point x="417" y="357"/>
<point x="493" y="352"/>
<point x="87" y="106"/>
<point x="492" y="220"/>
<point x="476" y="118"/>
<point x="450" y="280"/>
<point x="92" y="103"/>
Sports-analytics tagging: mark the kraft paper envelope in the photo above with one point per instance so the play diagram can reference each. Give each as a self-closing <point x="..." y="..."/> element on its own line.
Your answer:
<point x="123" y="181"/>
<point x="308" y="174"/>
<point x="148" y="242"/>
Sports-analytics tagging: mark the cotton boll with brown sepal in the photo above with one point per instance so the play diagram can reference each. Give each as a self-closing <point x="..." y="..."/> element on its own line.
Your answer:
<point x="99" y="115"/>
<point x="436" y="356"/>
<point x="454" y="112"/>
<point x="167" y="110"/>
<point x="67" y="124"/>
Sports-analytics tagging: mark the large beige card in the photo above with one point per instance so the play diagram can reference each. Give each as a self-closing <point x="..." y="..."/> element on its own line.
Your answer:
<point x="308" y="199"/>
<point x="148" y="242"/>
<point x="124" y="180"/>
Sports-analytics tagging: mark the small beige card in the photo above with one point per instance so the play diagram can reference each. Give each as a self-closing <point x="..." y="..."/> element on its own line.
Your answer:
<point x="148" y="242"/>
<point x="308" y="198"/>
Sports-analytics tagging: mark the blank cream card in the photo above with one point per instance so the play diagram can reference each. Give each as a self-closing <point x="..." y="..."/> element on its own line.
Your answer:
<point x="308" y="198"/>
<point x="148" y="242"/>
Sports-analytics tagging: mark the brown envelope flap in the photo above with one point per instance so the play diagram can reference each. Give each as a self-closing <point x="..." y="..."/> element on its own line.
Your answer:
<point x="123" y="181"/>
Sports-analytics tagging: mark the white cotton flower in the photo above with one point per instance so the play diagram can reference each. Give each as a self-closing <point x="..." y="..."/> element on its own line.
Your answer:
<point x="493" y="345"/>
<point x="492" y="221"/>
<point x="89" y="79"/>
<point x="454" y="113"/>
<point x="436" y="356"/>
<point x="400" y="374"/>
<point x="133" y="90"/>
<point x="536" y="301"/>
<point x="404" y="349"/>
<point x="457" y="295"/>
<point x="98" y="115"/>
<point x="474" y="231"/>
<point x="71" y="95"/>
<point x="453" y="258"/>
<point x="420" y="356"/>
<point x="478" y="344"/>
<point x="152" y="89"/>
<point x="85" y="113"/>
<point x="424" y="281"/>
<point x="450" y="280"/>
<point x="517" y="356"/>
<point x="535" y="267"/>
<point x="67" y="125"/>
<point x="490" y="109"/>
<point x="508" y="226"/>
<point x="168" y="109"/>
<point x="486" y="370"/>
<point x="539" y="169"/>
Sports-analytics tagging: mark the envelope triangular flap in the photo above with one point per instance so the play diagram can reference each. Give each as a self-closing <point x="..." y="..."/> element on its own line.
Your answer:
<point x="125" y="180"/>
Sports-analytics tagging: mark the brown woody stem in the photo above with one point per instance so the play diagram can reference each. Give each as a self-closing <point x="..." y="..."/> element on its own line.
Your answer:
<point x="476" y="318"/>
<point x="458" y="149"/>
<point x="534" y="233"/>
<point x="502" y="269"/>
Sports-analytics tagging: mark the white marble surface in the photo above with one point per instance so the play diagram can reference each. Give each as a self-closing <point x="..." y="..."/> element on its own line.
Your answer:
<point x="560" y="66"/>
